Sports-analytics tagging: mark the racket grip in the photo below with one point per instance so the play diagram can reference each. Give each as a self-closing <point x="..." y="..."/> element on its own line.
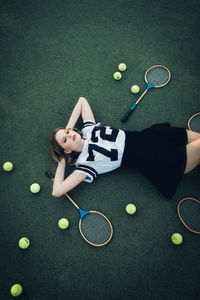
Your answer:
<point x="127" y="115"/>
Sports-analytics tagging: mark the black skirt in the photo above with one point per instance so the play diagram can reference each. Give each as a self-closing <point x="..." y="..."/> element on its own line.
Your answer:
<point x="159" y="152"/>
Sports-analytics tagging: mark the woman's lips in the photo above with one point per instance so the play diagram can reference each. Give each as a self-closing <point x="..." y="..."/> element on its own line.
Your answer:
<point x="74" y="137"/>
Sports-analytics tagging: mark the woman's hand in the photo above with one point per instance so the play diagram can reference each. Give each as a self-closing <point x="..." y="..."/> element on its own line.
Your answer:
<point x="67" y="129"/>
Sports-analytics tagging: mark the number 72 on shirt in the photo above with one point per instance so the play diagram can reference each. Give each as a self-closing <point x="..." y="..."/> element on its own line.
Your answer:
<point x="110" y="137"/>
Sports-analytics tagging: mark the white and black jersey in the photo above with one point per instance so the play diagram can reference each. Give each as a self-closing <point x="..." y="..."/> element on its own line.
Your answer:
<point x="102" y="151"/>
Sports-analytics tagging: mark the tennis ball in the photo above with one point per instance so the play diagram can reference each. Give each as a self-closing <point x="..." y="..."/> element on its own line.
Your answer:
<point x="177" y="238"/>
<point x="8" y="166"/>
<point x="117" y="75"/>
<point x="122" y="67"/>
<point x="135" y="89"/>
<point x="24" y="243"/>
<point x="16" y="290"/>
<point x="63" y="223"/>
<point x="130" y="209"/>
<point x="35" y="188"/>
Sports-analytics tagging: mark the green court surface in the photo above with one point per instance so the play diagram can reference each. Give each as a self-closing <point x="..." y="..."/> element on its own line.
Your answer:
<point x="53" y="52"/>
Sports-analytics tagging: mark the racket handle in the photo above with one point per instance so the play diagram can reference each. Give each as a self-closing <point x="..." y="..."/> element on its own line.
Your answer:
<point x="127" y="115"/>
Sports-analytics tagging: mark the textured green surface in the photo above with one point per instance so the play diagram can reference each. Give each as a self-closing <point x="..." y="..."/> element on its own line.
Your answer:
<point x="52" y="52"/>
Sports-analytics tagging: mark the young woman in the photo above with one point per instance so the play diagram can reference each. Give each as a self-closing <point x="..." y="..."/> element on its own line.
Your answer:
<point x="163" y="153"/>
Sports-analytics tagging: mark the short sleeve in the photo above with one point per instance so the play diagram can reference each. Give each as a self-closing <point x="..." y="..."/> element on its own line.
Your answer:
<point x="90" y="172"/>
<point x="87" y="123"/>
<point x="88" y="126"/>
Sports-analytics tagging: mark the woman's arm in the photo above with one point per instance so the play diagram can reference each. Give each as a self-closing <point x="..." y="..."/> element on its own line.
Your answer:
<point x="83" y="109"/>
<point x="61" y="186"/>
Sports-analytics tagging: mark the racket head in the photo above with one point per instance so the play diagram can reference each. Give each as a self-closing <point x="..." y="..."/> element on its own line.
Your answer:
<point x="189" y="213"/>
<point x="96" y="229"/>
<point x="194" y="123"/>
<point x="157" y="76"/>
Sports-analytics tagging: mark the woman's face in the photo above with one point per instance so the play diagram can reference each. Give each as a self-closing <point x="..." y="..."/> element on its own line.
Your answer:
<point x="68" y="139"/>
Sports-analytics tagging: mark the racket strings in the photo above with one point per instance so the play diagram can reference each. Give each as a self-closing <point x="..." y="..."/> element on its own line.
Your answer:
<point x="95" y="228"/>
<point x="190" y="213"/>
<point x="195" y="123"/>
<point x="157" y="76"/>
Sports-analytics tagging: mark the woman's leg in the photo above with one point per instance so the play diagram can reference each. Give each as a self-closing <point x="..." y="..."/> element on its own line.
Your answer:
<point x="192" y="136"/>
<point x="193" y="152"/>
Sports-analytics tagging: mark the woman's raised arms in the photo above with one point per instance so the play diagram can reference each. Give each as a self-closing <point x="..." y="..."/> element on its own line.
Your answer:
<point x="83" y="109"/>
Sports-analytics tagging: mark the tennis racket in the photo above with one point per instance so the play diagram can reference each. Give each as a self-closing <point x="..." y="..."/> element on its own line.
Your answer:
<point x="189" y="214"/>
<point x="94" y="227"/>
<point x="155" y="77"/>
<point x="194" y="123"/>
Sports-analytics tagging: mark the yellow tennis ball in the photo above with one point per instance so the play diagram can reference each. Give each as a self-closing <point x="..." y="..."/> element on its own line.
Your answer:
<point x="122" y="67"/>
<point x="8" y="166"/>
<point x="117" y="75"/>
<point x="35" y="188"/>
<point x="177" y="238"/>
<point x="135" y="89"/>
<point x="63" y="223"/>
<point x="24" y="243"/>
<point x="130" y="209"/>
<point x="16" y="290"/>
